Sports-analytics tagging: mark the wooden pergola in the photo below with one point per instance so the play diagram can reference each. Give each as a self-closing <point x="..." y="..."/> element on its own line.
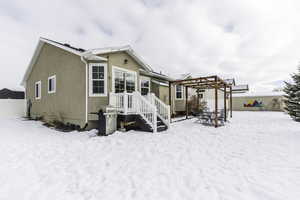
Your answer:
<point x="208" y="82"/>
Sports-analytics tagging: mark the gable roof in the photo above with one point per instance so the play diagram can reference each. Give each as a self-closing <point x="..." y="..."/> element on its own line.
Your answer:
<point x="77" y="51"/>
<point x="127" y="49"/>
<point x="11" y="94"/>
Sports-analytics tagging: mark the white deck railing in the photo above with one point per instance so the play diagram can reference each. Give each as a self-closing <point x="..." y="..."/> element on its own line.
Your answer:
<point x="135" y="103"/>
<point x="163" y="110"/>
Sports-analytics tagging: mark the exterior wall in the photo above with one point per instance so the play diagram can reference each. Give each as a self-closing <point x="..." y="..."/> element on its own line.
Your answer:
<point x="154" y="88"/>
<point x="179" y="104"/>
<point x="164" y="94"/>
<point x="68" y="103"/>
<point x="269" y="103"/>
<point x="114" y="59"/>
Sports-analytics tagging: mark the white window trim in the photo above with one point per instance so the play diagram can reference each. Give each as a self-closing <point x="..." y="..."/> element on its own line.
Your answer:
<point x="40" y="90"/>
<point x="54" y="84"/>
<point x="91" y="94"/>
<point x="182" y="92"/>
<point x="114" y="68"/>
<point x="145" y="78"/>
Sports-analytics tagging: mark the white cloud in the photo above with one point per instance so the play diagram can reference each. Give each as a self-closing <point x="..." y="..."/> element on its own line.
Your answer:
<point x="257" y="42"/>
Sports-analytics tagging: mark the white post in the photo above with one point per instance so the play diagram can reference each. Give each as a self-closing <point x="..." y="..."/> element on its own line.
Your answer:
<point x="169" y="116"/>
<point x="154" y="121"/>
<point x="125" y="103"/>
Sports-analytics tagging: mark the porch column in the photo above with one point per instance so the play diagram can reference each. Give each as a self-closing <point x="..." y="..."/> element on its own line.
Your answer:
<point x="225" y="106"/>
<point x="230" y="101"/>
<point x="170" y="100"/>
<point x="186" y="103"/>
<point x="216" y="103"/>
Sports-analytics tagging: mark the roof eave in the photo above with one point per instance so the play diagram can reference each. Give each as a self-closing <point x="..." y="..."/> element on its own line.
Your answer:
<point x="32" y="61"/>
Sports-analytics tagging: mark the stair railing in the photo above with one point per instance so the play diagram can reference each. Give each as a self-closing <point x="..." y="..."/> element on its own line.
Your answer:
<point x="163" y="110"/>
<point x="146" y="110"/>
<point x="122" y="102"/>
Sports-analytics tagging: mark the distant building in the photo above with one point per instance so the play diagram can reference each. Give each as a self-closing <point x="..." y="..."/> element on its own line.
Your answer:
<point x="11" y="94"/>
<point x="266" y="101"/>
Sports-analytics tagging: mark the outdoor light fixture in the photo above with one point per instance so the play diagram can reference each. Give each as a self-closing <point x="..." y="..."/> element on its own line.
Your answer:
<point x="125" y="61"/>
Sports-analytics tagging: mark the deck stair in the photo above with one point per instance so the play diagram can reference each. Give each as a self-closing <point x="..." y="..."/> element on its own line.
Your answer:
<point x="153" y="114"/>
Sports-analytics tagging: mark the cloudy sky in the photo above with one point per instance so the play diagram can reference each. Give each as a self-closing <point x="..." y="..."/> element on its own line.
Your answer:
<point x="255" y="41"/>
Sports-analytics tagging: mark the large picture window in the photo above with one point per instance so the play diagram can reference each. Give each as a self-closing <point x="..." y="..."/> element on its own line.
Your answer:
<point x="98" y="80"/>
<point x="145" y="85"/>
<point x="52" y="84"/>
<point x="179" y="92"/>
<point x="124" y="80"/>
<point x="38" y="90"/>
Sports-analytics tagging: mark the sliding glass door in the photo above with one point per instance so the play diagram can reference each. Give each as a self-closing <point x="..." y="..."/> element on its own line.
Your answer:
<point x="124" y="80"/>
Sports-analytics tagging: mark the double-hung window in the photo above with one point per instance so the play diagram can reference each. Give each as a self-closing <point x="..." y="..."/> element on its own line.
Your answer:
<point x="179" y="91"/>
<point x="145" y="85"/>
<point x="52" y="84"/>
<point x="38" y="89"/>
<point x="98" y="79"/>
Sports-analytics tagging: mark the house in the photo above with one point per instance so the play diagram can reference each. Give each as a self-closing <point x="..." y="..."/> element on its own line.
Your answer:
<point x="67" y="84"/>
<point x="11" y="94"/>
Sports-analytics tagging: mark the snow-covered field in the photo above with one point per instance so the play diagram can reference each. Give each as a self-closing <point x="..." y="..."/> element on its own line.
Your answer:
<point x="256" y="156"/>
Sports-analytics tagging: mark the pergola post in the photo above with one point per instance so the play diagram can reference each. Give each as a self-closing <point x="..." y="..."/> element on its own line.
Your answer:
<point x="216" y="104"/>
<point x="170" y="100"/>
<point x="225" y="106"/>
<point x="230" y="101"/>
<point x="186" y="103"/>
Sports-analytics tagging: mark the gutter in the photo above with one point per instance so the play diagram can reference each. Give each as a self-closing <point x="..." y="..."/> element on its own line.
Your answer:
<point x="86" y="89"/>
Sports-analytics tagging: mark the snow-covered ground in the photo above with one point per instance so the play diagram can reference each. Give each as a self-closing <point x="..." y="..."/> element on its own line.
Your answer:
<point x="256" y="156"/>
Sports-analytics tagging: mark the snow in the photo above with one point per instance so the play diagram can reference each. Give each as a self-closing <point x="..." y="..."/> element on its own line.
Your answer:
<point x="255" y="156"/>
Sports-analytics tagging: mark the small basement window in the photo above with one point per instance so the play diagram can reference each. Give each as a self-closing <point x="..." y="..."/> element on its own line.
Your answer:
<point x="38" y="90"/>
<point x="52" y="84"/>
<point x="179" y="92"/>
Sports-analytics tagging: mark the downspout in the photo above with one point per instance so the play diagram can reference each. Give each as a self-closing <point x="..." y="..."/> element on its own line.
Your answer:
<point x="86" y="90"/>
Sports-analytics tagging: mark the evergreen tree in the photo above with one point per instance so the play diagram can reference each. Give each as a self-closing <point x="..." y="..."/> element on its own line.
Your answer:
<point x="292" y="96"/>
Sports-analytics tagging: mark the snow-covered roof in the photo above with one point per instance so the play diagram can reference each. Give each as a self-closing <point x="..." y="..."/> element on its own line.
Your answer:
<point x="182" y="76"/>
<point x="259" y="94"/>
<point x="155" y="74"/>
<point x="66" y="47"/>
<point x="230" y="81"/>
<point x="160" y="83"/>
<point x="127" y="49"/>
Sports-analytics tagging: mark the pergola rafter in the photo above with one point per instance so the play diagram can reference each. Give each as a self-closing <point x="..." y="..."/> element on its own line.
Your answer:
<point x="208" y="82"/>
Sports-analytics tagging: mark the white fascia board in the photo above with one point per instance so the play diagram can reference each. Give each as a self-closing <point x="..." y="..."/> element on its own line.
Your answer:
<point x="91" y="57"/>
<point x="127" y="49"/>
<point x="160" y="83"/>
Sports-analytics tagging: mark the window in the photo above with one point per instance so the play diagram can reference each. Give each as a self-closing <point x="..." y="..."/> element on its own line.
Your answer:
<point x="38" y="90"/>
<point x="52" y="84"/>
<point x="124" y="80"/>
<point x="179" y="91"/>
<point x="145" y="85"/>
<point x="98" y="79"/>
